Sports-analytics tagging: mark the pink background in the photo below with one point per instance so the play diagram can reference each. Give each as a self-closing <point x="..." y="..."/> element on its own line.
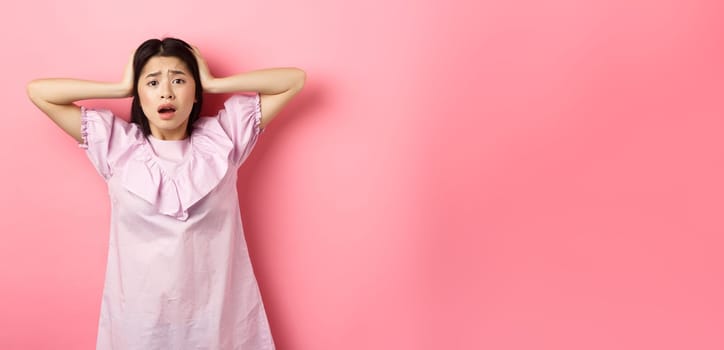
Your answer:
<point x="476" y="175"/>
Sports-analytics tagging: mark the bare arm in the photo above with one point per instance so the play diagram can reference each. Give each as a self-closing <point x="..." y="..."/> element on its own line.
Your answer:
<point x="57" y="97"/>
<point x="276" y="86"/>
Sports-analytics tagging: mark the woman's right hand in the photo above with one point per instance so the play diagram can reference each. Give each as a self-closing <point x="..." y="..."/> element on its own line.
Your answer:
<point x="127" y="81"/>
<point x="57" y="97"/>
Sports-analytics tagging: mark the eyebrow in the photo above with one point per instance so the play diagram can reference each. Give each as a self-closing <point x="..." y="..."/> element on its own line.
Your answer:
<point x="172" y="71"/>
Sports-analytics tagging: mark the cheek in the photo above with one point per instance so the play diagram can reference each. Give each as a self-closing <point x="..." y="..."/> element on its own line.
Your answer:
<point x="188" y="96"/>
<point x="145" y="99"/>
<point x="189" y="93"/>
<point x="142" y="94"/>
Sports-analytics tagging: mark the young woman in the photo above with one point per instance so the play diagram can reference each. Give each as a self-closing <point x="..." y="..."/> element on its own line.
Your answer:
<point x="178" y="273"/>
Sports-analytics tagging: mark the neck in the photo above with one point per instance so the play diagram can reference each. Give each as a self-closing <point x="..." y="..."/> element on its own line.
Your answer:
<point x="169" y="135"/>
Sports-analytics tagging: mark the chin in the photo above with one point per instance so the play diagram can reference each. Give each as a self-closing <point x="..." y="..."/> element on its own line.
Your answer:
<point x="169" y="124"/>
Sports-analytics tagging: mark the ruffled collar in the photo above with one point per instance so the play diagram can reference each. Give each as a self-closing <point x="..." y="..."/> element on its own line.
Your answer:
<point x="199" y="174"/>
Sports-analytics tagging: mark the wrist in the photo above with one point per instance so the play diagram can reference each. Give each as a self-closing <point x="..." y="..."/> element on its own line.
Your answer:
<point x="122" y="89"/>
<point x="210" y="85"/>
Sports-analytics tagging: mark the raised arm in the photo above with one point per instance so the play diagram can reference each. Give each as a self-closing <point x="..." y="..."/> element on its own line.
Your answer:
<point x="276" y="86"/>
<point x="57" y="97"/>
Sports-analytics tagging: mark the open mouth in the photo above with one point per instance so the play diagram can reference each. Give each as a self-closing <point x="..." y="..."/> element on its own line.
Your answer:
<point x="170" y="109"/>
<point x="166" y="111"/>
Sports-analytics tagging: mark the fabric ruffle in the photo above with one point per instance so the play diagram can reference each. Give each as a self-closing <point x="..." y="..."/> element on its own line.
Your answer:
<point x="195" y="178"/>
<point x="83" y="128"/>
<point x="118" y="149"/>
<point x="241" y="119"/>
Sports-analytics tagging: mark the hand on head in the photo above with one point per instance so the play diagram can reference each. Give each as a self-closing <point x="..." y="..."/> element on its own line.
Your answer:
<point x="127" y="81"/>
<point x="204" y="72"/>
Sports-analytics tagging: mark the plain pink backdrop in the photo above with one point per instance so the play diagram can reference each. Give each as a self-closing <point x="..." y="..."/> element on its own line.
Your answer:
<point x="475" y="175"/>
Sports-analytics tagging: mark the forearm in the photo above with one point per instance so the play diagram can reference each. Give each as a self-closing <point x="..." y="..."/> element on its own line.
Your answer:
<point x="270" y="81"/>
<point x="67" y="91"/>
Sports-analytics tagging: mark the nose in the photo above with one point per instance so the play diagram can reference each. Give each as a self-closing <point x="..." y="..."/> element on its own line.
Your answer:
<point x="167" y="92"/>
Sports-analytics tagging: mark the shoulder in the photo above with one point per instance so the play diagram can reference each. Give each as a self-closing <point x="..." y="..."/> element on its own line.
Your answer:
<point x="103" y="126"/>
<point x="242" y="103"/>
<point x="105" y="117"/>
<point x="240" y="112"/>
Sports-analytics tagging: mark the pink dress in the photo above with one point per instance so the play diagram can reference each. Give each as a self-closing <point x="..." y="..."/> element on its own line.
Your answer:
<point x="178" y="273"/>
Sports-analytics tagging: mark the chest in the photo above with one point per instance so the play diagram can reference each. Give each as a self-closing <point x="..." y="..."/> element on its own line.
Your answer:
<point x="220" y="204"/>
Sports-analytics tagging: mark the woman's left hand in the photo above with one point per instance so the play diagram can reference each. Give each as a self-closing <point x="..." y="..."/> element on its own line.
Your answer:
<point x="204" y="73"/>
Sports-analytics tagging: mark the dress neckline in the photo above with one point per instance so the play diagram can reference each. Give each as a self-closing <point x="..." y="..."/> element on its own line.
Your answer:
<point x="205" y="164"/>
<point x="155" y="146"/>
<point x="154" y="138"/>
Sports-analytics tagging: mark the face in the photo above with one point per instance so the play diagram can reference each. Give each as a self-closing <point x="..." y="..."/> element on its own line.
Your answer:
<point x="167" y="92"/>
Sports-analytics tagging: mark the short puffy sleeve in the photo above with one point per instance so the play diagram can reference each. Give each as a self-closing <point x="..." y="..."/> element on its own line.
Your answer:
<point x="241" y="120"/>
<point x="106" y="138"/>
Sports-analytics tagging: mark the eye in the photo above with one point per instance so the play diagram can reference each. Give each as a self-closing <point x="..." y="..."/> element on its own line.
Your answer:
<point x="179" y="81"/>
<point x="152" y="83"/>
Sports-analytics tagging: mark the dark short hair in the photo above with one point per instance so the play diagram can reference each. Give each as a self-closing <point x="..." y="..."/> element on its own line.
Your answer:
<point x="167" y="47"/>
